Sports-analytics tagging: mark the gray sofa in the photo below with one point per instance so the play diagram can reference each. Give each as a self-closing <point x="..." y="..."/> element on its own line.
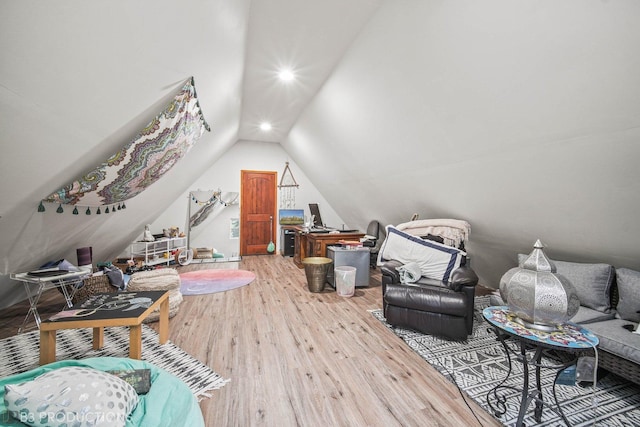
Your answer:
<point x="610" y="308"/>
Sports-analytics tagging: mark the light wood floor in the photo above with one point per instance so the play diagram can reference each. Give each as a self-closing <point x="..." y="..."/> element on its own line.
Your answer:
<point x="297" y="358"/>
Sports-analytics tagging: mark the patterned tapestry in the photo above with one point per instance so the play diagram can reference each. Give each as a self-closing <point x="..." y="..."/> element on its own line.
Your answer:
<point x="207" y="205"/>
<point x="140" y="163"/>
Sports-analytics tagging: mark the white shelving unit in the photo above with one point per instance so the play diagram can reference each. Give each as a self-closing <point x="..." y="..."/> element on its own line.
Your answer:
<point x="161" y="251"/>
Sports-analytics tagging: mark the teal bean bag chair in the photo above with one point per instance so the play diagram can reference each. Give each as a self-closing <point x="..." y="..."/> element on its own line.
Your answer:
<point x="169" y="401"/>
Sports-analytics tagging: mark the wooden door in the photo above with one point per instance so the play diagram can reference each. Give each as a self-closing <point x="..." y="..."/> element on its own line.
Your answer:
<point x="258" y="202"/>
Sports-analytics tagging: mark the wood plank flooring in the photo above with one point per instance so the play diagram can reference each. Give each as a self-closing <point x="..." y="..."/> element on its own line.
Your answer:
<point x="297" y="358"/>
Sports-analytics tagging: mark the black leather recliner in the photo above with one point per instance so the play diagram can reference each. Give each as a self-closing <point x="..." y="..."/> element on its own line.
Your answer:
<point x="430" y="306"/>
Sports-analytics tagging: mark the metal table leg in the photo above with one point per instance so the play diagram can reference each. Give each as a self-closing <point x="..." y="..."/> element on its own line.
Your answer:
<point x="33" y="306"/>
<point x="527" y="395"/>
<point x="501" y="400"/>
<point x="67" y="287"/>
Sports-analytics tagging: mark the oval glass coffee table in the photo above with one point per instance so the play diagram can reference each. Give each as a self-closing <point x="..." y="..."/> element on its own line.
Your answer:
<point x="563" y="345"/>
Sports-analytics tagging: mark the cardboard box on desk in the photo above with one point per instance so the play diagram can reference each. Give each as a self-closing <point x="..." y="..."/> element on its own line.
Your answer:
<point x="350" y="244"/>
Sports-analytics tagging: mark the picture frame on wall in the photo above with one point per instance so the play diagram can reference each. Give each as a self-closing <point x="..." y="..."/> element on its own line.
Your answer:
<point x="291" y="216"/>
<point x="234" y="228"/>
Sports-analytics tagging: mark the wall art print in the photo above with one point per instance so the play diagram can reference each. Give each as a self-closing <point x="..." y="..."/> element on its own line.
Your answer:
<point x="140" y="163"/>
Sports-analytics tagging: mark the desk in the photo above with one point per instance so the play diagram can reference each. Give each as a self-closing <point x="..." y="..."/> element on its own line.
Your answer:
<point x="569" y="340"/>
<point x="314" y="244"/>
<point x="34" y="286"/>
<point x="104" y="310"/>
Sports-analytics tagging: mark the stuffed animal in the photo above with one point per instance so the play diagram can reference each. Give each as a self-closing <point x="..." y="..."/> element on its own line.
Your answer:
<point x="148" y="237"/>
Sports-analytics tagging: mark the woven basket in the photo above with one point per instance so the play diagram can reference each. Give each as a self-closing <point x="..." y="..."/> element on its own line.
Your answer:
<point x="160" y="279"/>
<point x="619" y="366"/>
<point x="93" y="285"/>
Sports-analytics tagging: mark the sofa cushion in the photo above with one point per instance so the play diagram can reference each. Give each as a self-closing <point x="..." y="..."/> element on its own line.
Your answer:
<point x="629" y="291"/>
<point x="436" y="260"/>
<point x="495" y="299"/>
<point x="592" y="281"/>
<point x="586" y="316"/>
<point x="616" y="338"/>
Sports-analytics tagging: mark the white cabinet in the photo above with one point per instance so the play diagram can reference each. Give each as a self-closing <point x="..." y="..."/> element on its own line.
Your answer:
<point x="161" y="251"/>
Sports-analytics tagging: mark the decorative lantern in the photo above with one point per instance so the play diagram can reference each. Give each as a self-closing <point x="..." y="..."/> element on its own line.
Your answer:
<point x="539" y="297"/>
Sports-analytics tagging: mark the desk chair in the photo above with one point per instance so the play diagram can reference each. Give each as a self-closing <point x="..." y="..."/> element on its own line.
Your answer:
<point x="375" y="237"/>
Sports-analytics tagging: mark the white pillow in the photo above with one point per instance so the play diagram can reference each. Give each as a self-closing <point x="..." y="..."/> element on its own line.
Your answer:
<point x="72" y="396"/>
<point x="436" y="260"/>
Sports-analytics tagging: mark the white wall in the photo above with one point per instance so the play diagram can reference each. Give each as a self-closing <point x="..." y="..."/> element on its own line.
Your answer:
<point x="78" y="80"/>
<point x="521" y="117"/>
<point x="225" y="174"/>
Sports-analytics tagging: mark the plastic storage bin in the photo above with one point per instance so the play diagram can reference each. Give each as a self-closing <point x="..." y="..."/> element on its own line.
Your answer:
<point x="358" y="258"/>
<point x="345" y="280"/>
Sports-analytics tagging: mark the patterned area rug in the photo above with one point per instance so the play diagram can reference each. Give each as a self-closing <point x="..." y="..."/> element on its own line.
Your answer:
<point x="200" y="282"/>
<point x="479" y="364"/>
<point x="20" y="353"/>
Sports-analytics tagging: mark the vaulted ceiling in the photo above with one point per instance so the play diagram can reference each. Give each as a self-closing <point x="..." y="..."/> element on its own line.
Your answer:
<point x="78" y="78"/>
<point x="522" y="117"/>
<point x="307" y="38"/>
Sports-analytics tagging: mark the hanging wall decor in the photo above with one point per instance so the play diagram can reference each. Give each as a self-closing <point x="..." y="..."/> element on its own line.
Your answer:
<point x="207" y="202"/>
<point x="140" y="163"/>
<point x="287" y="186"/>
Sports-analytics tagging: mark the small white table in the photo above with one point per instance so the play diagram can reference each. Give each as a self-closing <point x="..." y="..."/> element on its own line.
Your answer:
<point x="36" y="285"/>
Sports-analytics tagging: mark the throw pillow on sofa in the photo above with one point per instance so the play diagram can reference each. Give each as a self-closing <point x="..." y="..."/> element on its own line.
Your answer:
<point x="628" y="282"/>
<point x="592" y="281"/>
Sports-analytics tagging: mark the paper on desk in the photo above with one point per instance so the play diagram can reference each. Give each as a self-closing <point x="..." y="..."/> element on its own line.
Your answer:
<point x="66" y="313"/>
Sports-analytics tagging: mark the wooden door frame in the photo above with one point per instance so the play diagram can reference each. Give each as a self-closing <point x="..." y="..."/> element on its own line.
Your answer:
<point x="273" y="214"/>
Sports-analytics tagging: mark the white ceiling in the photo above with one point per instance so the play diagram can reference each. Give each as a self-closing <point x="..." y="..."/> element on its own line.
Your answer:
<point x="521" y="117"/>
<point x="307" y="37"/>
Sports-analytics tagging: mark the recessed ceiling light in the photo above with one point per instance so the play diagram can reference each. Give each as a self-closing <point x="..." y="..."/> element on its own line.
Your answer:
<point x="286" y="75"/>
<point x="265" y="126"/>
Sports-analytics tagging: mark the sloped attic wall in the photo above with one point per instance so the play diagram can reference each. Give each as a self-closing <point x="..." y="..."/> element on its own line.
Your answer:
<point x="225" y="174"/>
<point x="521" y="117"/>
<point x="78" y="80"/>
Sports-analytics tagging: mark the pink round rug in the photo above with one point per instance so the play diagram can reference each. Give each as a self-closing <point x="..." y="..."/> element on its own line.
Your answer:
<point x="216" y="280"/>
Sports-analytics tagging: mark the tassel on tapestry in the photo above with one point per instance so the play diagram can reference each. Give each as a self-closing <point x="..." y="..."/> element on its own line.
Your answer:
<point x="144" y="160"/>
